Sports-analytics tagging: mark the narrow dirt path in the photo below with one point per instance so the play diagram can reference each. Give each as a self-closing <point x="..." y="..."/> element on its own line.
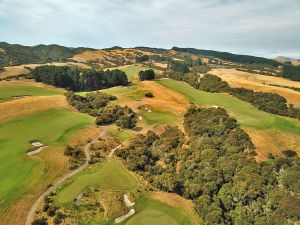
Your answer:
<point x="36" y="204"/>
<point x="113" y="151"/>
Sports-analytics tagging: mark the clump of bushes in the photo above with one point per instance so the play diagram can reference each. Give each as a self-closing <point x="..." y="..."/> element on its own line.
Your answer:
<point x="95" y="104"/>
<point x="77" y="156"/>
<point x="146" y="75"/>
<point x="124" y="117"/>
<point x="149" y="95"/>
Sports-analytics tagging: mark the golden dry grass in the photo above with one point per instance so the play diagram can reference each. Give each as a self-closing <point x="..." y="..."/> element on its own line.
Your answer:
<point x="164" y="99"/>
<point x="13" y="71"/>
<point x="273" y="142"/>
<point x="293" y="61"/>
<point x="28" y="105"/>
<point x="258" y="82"/>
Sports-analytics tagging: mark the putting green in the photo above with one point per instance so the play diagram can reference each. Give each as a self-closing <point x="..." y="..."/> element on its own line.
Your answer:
<point x="159" y="117"/>
<point x="19" y="172"/>
<point x="245" y="113"/>
<point x="108" y="175"/>
<point x="149" y="212"/>
<point x="8" y="92"/>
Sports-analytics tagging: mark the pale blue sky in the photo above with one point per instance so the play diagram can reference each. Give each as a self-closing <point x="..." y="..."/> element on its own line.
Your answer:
<point x="260" y="27"/>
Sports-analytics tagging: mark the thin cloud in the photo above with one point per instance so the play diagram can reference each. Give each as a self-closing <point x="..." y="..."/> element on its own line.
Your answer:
<point x="241" y="26"/>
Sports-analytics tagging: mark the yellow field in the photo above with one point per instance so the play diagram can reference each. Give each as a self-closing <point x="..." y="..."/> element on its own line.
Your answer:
<point x="258" y="82"/>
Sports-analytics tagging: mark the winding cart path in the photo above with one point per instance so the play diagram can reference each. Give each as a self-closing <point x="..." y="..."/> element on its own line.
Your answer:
<point x="36" y="204"/>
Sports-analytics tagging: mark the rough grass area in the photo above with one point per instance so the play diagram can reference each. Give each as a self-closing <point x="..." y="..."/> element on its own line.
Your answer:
<point x="121" y="134"/>
<point x="8" y="92"/>
<point x="150" y="212"/>
<point x="107" y="175"/>
<point x="19" y="172"/>
<point x="159" y="117"/>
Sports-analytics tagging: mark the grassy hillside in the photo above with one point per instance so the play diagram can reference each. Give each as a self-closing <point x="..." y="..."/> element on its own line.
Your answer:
<point x="52" y="128"/>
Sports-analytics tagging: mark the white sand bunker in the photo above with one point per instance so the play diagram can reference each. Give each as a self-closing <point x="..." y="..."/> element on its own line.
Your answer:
<point x="128" y="203"/>
<point x="121" y="218"/>
<point x="37" y="144"/>
<point x="39" y="147"/>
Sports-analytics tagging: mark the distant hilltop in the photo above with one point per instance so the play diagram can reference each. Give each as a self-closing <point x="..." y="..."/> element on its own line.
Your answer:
<point x="284" y="59"/>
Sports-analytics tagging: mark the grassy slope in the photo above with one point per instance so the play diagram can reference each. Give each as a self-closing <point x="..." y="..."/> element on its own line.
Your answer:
<point x="246" y="114"/>
<point x="149" y="212"/>
<point x="108" y="175"/>
<point x="8" y="92"/>
<point x="20" y="170"/>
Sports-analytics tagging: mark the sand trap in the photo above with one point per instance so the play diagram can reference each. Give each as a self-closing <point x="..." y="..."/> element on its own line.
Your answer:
<point x="37" y="151"/>
<point x="37" y="144"/>
<point x="127" y="202"/>
<point x="121" y="218"/>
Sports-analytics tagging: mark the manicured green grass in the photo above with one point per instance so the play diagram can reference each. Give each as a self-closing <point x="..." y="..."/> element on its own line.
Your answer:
<point x="245" y="113"/>
<point x="18" y="172"/>
<point x="132" y="71"/>
<point x="159" y="117"/>
<point x="114" y="90"/>
<point x="108" y="175"/>
<point x="8" y="92"/>
<point x="150" y="212"/>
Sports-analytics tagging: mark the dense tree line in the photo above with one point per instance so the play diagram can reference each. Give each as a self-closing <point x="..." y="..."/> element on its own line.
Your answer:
<point x="76" y="79"/>
<point x="147" y="75"/>
<point x="291" y="72"/>
<point x="96" y="104"/>
<point x="229" y="56"/>
<point x="17" y="54"/>
<point x="268" y="102"/>
<point x="215" y="168"/>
